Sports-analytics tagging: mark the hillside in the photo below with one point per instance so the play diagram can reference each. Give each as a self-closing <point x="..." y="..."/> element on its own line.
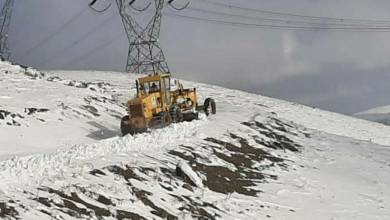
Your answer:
<point x="379" y="114"/>
<point x="258" y="158"/>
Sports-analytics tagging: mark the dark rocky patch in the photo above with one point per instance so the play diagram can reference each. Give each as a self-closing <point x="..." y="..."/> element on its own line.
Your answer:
<point x="76" y="84"/>
<point x="198" y="210"/>
<point x="104" y="200"/>
<point x="44" y="201"/>
<point x="99" y="99"/>
<point x="97" y="172"/>
<point x="278" y="133"/>
<point x="114" y="114"/>
<point x="128" y="215"/>
<point x="8" y="211"/>
<point x="91" y="110"/>
<point x="33" y="74"/>
<point x="126" y="173"/>
<point x="90" y="85"/>
<point x="244" y="153"/>
<point x="63" y="106"/>
<point x="53" y="79"/>
<point x="4" y="114"/>
<point x="31" y="111"/>
<point x="261" y="105"/>
<point x="69" y="206"/>
<point x="243" y="157"/>
<point x="47" y="213"/>
<point x="13" y="123"/>
<point x="10" y="117"/>
<point x="222" y="179"/>
<point x="158" y="211"/>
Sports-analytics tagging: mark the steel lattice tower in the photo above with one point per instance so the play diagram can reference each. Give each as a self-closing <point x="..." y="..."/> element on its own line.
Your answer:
<point x="5" y="21"/>
<point x="145" y="55"/>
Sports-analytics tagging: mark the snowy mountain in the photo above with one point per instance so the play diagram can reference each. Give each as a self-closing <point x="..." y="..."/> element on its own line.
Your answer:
<point x="257" y="158"/>
<point x="379" y="114"/>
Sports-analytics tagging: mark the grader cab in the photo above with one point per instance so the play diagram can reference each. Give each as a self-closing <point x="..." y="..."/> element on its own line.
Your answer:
<point x="157" y="104"/>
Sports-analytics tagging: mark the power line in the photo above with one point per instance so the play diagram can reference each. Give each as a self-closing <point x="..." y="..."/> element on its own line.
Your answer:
<point x="55" y="33"/>
<point x="84" y="37"/>
<point x="264" y="19"/>
<point x="285" y="27"/>
<point x="87" y="55"/>
<point x="76" y="42"/>
<point x="337" y="19"/>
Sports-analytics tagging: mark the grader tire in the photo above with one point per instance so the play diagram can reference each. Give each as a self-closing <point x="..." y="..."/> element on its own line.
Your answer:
<point x="210" y="107"/>
<point x="125" y="126"/>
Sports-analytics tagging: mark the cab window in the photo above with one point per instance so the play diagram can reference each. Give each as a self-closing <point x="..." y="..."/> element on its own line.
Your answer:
<point x="149" y="87"/>
<point x="144" y="88"/>
<point x="154" y="86"/>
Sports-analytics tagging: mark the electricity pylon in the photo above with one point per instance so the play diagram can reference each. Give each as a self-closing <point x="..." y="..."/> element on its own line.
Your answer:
<point x="5" y="21"/>
<point x="145" y="55"/>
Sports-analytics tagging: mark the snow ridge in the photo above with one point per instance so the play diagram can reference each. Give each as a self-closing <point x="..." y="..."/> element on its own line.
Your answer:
<point x="37" y="167"/>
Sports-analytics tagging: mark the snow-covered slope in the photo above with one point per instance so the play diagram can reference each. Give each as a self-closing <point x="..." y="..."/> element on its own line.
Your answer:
<point x="379" y="114"/>
<point x="258" y="158"/>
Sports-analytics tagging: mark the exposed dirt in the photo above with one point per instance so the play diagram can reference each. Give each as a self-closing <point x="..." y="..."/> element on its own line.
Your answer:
<point x="224" y="180"/>
<point x="97" y="172"/>
<point x="167" y="180"/>
<point x="127" y="173"/>
<point x="143" y="196"/>
<point x="31" y="111"/>
<point x="33" y="74"/>
<point x="4" y="114"/>
<point x="244" y="157"/>
<point x="91" y="110"/>
<point x="15" y="119"/>
<point x="10" y="118"/>
<point x="69" y="204"/>
<point x="53" y="79"/>
<point x="197" y="209"/>
<point x="279" y="141"/>
<point x="7" y="211"/>
<point x="128" y="215"/>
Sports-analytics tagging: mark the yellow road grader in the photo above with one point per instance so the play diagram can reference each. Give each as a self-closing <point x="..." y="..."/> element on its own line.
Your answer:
<point x="158" y="103"/>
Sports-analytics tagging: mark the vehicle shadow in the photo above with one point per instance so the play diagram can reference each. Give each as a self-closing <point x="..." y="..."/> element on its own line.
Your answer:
<point x="102" y="132"/>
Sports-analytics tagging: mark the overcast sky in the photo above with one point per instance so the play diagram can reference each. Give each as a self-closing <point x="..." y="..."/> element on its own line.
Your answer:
<point x="345" y="72"/>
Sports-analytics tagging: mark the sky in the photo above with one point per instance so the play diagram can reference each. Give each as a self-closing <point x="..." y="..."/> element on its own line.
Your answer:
<point x="345" y="72"/>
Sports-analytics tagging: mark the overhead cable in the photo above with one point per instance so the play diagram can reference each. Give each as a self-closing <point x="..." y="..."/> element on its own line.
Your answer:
<point x="336" y="19"/>
<point x="285" y="27"/>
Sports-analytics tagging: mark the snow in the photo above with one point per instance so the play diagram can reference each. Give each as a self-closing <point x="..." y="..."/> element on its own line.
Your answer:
<point x="187" y="170"/>
<point x="61" y="155"/>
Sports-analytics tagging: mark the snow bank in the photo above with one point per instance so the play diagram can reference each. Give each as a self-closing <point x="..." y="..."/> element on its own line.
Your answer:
<point x="187" y="170"/>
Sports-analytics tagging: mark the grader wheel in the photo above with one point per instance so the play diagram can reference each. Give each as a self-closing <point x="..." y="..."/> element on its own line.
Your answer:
<point x="125" y="126"/>
<point x="210" y="107"/>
